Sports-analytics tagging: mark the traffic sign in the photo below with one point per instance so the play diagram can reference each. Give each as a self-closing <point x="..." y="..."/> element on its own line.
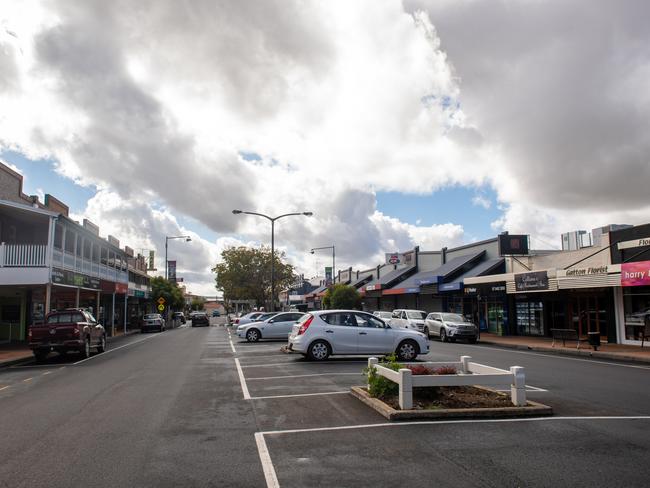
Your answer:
<point x="161" y="307"/>
<point x="161" y="301"/>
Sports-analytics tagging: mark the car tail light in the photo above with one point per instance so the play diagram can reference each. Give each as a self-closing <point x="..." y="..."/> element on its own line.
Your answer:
<point x="236" y="321"/>
<point x="305" y="325"/>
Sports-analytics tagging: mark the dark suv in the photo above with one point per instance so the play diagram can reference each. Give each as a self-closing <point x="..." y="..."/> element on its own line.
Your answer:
<point x="67" y="330"/>
<point x="200" y="318"/>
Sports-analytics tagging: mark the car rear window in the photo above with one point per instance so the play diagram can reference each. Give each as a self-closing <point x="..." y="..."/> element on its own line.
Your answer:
<point x="65" y="318"/>
<point x="151" y="316"/>
<point x="345" y="319"/>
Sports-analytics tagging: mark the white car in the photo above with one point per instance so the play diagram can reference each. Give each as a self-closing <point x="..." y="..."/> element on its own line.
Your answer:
<point x="277" y="326"/>
<point x="451" y="326"/>
<point x="409" y="319"/>
<point x="251" y="317"/>
<point x="326" y="332"/>
<point x="383" y="315"/>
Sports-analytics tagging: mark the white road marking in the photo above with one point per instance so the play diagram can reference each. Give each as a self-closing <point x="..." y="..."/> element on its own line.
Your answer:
<point x="300" y="395"/>
<point x="267" y="464"/>
<point x="4" y="387"/>
<point x="530" y="389"/>
<point x="299" y="364"/>
<point x="560" y="356"/>
<point x="47" y="372"/>
<point x="27" y="379"/>
<point x="444" y="422"/>
<point x="306" y="375"/>
<point x="242" y="380"/>
<point x="232" y="346"/>
<point x="116" y="348"/>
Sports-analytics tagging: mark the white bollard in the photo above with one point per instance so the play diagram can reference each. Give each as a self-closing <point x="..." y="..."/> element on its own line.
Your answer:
<point x="371" y="363"/>
<point x="518" y="387"/>
<point x="405" y="389"/>
<point x="464" y="361"/>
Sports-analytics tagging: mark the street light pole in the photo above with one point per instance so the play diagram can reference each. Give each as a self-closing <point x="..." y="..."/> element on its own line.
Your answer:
<point x="167" y="239"/>
<point x="272" y="219"/>
<point x="333" y="248"/>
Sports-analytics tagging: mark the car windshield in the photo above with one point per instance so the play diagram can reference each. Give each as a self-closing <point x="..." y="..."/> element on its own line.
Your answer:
<point x="452" y="317"/>
<point x="416" y="315"/>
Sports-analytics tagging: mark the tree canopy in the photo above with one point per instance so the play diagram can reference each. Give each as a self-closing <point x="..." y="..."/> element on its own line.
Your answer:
<point x="245" y="274"/>
<point x="197" y="303"/>
<point x="169" y="290"/>
<point x="342" y="296"/>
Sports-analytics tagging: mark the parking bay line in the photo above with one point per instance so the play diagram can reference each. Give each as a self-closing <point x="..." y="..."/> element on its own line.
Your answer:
<point x="298" y="364"/>
<point x="267" y="464"/>
<point x="305" y="376"/>
<point x="300" y="395"/>
<point x="242" y="381"/>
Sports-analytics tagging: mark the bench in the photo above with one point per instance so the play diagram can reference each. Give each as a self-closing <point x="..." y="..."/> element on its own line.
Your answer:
<point x="566" y="335"/>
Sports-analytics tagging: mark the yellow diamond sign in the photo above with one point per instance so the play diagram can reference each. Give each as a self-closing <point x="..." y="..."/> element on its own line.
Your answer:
<point x="161" y="307"/>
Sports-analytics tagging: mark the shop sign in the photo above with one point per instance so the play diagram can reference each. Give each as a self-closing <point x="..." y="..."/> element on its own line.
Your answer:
<point x="121" y="288"/>
<point x="485" y="289"/>
<point x="536" y="280"/>
<point x="139" y="294"/>
<point x="595" y="270"/>
<point x="635" y="274"/>
<point x="471" y="290"/>
<point x="450" y="286"/>
<point x="645" y="241"/>
<point x="394" y="258"/>
<point x="373" y="287"/>
<point x="510" y="244"/>
<point x="65" y="277"/>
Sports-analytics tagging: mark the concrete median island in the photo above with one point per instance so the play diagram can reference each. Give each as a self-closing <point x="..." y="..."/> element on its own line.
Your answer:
<point x="446" y="390"/>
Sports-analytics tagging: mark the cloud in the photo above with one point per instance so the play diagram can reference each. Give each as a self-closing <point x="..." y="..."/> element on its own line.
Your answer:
<point x="481" y="201"/>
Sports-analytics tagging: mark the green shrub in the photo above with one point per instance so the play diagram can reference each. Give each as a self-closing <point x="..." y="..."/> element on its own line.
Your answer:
<point x="378" y="386"/>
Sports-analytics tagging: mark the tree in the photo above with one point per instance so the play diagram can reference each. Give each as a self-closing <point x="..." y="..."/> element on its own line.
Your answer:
<point x="342" y="296"/>
<point x="197" y="303"/>
<point x="169" y="290"/>
<point x="245" y="274"/>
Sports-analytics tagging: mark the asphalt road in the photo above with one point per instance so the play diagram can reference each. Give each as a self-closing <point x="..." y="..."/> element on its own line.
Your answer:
<point x="189" y="408"/>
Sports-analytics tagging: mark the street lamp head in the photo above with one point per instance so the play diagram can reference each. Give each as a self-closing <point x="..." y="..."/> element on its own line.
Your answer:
<point x="188" y="239"/>
<point x="236" y="212"/>
<point x="312" y="251"/>
<point x="308" y="214"/>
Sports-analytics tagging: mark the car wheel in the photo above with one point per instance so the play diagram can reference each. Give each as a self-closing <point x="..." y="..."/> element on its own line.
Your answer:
<point x="407" y="351"/>
<point x="101" y="347"/>
<point x="426" y="332"/>
<point x="40" y="355"/>
<point x="85" y="350"/>
<point x="253" y="335"/>
<point x="443" y="335"/>
<point x="319" y="351"/>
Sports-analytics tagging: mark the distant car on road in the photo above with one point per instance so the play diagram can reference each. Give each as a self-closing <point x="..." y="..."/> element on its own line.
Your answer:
<point x="67" y="330"/>
<point x="450" y="326"/>
<point x="383" y="315"/>
<point x="152" y="321"/>
<point x="216" y="313"/>
<point x="320" y="334"/>
<point x="199" y="319"/>
<point x="277" y="326"/>
<point x="179" y="316"/>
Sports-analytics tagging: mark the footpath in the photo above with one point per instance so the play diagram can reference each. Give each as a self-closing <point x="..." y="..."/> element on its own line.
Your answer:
<point x="616" y="352"/>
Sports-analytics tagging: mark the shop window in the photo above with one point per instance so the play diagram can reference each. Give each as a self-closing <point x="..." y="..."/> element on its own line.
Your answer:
<point x="636" y="303"/>
<point x="78" y="246"/>
<point x="104" y="256"/>
<point x="58" y="236"/>
<point x="530" y="318"/>
<point x="86" y="246"/>
<point x="70" y="238"/>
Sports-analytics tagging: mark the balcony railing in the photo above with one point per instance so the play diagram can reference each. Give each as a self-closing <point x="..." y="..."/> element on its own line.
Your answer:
<point x="96" y="270"/>
<point x="23" y="255"/>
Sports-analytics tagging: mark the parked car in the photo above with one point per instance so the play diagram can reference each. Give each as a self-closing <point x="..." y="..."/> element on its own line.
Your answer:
<point x="246" y="318"/>
<point x="216" y="313"/>
<point x="179" y="316"/>
<point x="323" y="333"/>
<point x="450" y="326"/>
<point x="200" y="318"/>
<point x="383" y="315"/>
<point x="277" y="326"/>
<point x="67" y="330"/>
<point x="408" y="319"/>
<point x="152" y="321"/>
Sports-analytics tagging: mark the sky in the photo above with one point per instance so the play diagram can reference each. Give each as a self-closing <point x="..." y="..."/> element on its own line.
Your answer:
<point x="397" y="123"/>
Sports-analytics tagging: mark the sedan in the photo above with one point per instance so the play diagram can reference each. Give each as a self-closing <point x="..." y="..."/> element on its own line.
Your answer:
<point x="450" y="326"/>
<point x="277" y="326"/>
<point x="200" y="318"/>
<point x="326" y="332"/>
<point x="152" y="321"/>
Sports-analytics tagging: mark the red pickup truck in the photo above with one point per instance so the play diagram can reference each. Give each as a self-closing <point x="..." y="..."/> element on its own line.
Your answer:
<point x="67" y="330"/>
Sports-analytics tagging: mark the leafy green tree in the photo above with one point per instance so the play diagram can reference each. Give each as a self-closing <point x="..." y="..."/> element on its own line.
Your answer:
<point x="342" y="296"/>
<point x="169" y="290"/>
<point x="245" y="274"/>
<point x="197" y="303"/>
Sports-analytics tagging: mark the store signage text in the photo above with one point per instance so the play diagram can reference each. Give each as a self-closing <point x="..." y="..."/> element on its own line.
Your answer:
<point x="588" y="271"/>
<point x="537" y="280"/>
<point x="635" y="274"/>
<point x="373" y="287"/>
<point x="65" y="277"/>
<point x="635" y="243"/>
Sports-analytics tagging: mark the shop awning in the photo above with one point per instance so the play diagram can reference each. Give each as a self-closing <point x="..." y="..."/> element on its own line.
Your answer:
<point x="450" y="268"/>
<point x="362" y="280"/>
<point x="388" y="279"/>
<point x="318" y="290"/>
<point x="484" y="268"/>
<point x="409" y="285"/>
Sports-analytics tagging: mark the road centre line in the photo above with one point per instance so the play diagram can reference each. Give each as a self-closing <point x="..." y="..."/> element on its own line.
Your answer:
<point x="445" y="422"/>
<point x="115" y="349"/>
<point x="267" y="464"/>
<point x="300" y="395"/>
<point x="560" y="356"/>
<point x="305" y="376"/>
<point x="242" y="381"/>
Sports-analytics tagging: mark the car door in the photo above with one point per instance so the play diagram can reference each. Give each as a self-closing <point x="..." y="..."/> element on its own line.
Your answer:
<point x="373" y="335"/>
<point x="341" y="332"/>
<point x="436" y="324"/>
<point x="396" y="320"/>
<point x="280" y="326"/>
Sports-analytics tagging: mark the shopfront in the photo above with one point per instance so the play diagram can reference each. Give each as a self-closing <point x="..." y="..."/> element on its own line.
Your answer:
<point x="490" y="303"/>
<point x="635" y="284"/>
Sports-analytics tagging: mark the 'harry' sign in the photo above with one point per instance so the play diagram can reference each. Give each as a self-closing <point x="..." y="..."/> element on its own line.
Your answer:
<point x="635" y="274"/>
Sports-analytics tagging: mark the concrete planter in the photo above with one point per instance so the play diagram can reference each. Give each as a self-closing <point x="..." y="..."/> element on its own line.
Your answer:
<point x="531" y="409"/>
